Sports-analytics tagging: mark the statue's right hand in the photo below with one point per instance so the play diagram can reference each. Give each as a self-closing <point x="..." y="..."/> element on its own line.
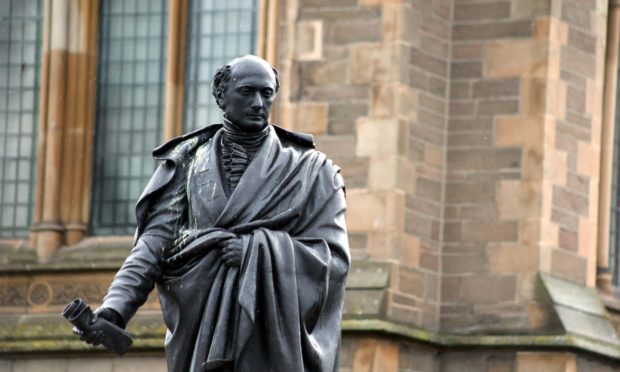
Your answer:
<point x="90" y="337"/>
<point x="95" y="337"/>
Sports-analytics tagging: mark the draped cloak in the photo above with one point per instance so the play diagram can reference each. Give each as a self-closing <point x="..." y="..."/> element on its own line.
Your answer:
<point x="281" y="309"/>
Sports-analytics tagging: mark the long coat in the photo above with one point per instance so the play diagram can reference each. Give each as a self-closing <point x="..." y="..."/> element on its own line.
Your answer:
<point x="281" y="310"/>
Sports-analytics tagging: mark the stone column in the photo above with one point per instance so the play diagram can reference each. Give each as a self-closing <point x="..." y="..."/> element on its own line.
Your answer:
<point x="66" y="124"/>
<point x="48" y="228"/>
<point x="175" y="68"/>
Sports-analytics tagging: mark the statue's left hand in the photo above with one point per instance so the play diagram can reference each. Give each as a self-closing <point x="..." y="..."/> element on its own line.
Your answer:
<point x="232" y="251"/>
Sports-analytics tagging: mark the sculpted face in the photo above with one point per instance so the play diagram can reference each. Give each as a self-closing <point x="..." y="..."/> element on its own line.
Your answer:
<point x="250" y="94"/>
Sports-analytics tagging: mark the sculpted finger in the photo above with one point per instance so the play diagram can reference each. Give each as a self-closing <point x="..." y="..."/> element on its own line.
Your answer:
<point x="76" y="331"/>
<point x="186" y="239"/>
<point x="184" y="254"/>
<point x="87" y="337"/>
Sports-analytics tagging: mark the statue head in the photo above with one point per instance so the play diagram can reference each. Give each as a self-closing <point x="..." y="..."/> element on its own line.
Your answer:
<point x="245" y="89"/>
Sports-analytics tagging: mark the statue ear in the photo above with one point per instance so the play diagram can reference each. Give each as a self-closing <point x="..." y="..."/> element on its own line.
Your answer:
<point x="221" y="99"/>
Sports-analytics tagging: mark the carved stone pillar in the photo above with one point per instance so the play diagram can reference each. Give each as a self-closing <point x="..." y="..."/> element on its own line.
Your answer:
<point x="65" y="130"/>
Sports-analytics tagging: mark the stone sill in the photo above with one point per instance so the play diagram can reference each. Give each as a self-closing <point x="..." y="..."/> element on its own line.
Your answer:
<point x="31" y="330"/>
<point x="449" y="341"/>
<point x="611" y="300"/>
<point x="94" y="253"/>
<point x="149" y="332"/>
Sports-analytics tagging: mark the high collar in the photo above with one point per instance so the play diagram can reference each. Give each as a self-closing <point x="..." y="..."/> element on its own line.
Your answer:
<point x="234" y="134"/>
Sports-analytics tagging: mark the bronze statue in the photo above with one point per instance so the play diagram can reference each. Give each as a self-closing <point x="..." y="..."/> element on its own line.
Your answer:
<point x="242" y="229"/>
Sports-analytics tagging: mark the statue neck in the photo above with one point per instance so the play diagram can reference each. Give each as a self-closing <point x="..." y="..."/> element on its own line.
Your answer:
<point x="234" y="134"/>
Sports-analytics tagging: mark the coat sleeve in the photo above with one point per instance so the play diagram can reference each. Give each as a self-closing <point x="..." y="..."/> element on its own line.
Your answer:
<point x="165" y="216"/>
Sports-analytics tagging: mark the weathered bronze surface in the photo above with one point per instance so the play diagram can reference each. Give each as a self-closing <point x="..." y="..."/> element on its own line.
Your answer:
<point x="242" y="229"/>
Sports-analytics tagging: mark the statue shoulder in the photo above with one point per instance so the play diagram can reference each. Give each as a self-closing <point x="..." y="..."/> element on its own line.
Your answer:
<point x="303" y="140"/>
<point x="185" y="143"/>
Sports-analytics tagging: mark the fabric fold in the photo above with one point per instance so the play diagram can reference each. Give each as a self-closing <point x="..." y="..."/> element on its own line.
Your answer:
<point x="281" y="310"/>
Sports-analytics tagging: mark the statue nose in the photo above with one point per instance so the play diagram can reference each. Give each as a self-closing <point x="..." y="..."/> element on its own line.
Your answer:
<point x="257" y="101"/>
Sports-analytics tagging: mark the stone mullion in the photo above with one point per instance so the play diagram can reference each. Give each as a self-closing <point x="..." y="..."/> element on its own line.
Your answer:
<point x="43" y="110"/>
<point x="49" y="230"/>
<point x="80" y="118"/>
<point x="268" y="30"/>
<point x="90" y="90"/>
<point x="67" y="100"/>
<point x="176" y="50"/>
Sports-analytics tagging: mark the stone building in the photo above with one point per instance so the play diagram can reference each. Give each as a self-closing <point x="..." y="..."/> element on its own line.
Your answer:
<point x="477" y="139"/>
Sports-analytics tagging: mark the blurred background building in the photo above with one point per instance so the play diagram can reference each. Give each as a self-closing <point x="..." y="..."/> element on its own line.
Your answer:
<point x="477" y="139"/>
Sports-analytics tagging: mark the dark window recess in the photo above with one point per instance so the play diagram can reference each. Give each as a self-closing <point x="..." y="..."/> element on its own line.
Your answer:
<point x="218" y="32"/>
<point x="20" y="40"/>
<point x="130" y="108"/>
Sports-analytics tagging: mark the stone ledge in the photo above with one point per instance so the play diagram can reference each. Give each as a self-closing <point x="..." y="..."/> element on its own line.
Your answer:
<point x="30" y="320"/>
<point x="148" y="331"/>
<point x="562" y="342"/>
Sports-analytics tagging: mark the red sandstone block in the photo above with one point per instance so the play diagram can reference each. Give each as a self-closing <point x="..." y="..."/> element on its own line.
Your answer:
<point x="428" y="62"/>
<point x="493" y="30"/>
<point x="490" y="231"/>
<point x="437" y="86"/>
<point x="464" y="264"/>
<point x="575" y="99"/>
<point x="578" y="62"/>
<point x="569" y="201"/>
<point x="482" y="11"/>
<point x="452" y="231"/>
<point x="458" y="125"/>
<point x="581" y="40"/>
<point x="321" y="3"/>
<point x="576" y="12"/>
<point x="488" y="288"/>
<point x="354" y="31"/>
<point x="430" y="119"/>
<point x="428" y="189"/>
<point x="470" y="140"/>
<point x="427" y="133"/>
<point x="498" y="107"/>
<point x="466" y="108"/>
<point x="419" y="225"/>
<point x="569" y="266"/>
<point x="470" y="192"/>
<point x="578" y="183"/>
<point x="342" y="117"/>
<point x="568" y="240"/>
<point x="460" y="90"/>
<point x="577" y="132"/>
<point x="467" y="51"/>
<point x="431" y="103"/>
<point x="436" y="26"/>
<point x="496" y="88"/>
<point x="465" y="70"/>
<point x="412" y="282"/>
<point x="418" y="204"/>
<point x="435" y="46"/>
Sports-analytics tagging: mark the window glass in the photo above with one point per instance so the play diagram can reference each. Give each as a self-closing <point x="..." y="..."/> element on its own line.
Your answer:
<point x="20" y="40"/>
<point x="130" y="108"/>
<point x="219" y="31"/>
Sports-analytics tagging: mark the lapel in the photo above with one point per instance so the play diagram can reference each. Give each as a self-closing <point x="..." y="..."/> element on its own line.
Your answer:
<point x="205" y="186"/>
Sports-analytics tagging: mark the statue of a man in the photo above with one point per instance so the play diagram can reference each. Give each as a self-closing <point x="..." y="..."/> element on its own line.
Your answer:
<point x="242" y="229"/>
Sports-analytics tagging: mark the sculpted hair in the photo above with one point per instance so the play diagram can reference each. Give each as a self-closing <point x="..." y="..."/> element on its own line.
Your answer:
<point x="222" y="77"/>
